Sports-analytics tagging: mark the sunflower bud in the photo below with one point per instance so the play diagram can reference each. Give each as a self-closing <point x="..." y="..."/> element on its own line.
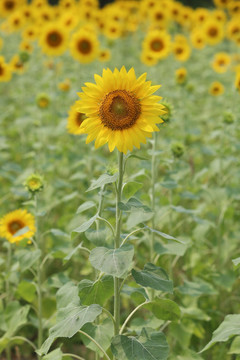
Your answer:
<point x="34" y="183"/>
<point x="228" y="118"/>
<point x="177" y="149"/>
<point x="168" y="108"/>
<point x="43" y="100"/>
<point x="24" y="56"/>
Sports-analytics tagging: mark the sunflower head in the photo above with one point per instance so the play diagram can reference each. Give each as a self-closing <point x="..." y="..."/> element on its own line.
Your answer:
<point x="120" y="109"/>
<point x="181" y="75"/>
<point x="43" y="100"/>
<point x="216" y="88"/>
<point x="228" y="118"/>
<point x="34" y="183"/>
<point x="177" y="149"/>
<point x="12" y="223"/>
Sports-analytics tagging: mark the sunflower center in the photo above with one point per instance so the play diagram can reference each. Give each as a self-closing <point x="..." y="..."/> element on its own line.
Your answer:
<point x="179" y="50"/>
<point x="157" y="45"/>
<point x="119" y="110"/>
<point x="15" y="226"/>
<point x="54" y="39"/>
<point x="9" y="5"/>
<point x="84" y="46"/>
<point x="1" y="70"/>
<point x="212" y="32"/>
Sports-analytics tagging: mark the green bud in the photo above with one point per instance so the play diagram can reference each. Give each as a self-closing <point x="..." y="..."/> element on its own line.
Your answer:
<point x="177" y="149"/>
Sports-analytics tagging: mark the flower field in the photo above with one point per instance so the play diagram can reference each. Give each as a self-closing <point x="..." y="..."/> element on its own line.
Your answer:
<point x="120" y="180"/>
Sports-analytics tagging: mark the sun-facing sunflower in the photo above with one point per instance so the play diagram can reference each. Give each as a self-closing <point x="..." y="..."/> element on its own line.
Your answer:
<point x="75" y="120"/>
<point x="84" y="46"/>
<point x="120" y="109"/>
<point x="157" y="44"/>
<point x="216" y="88"/>
<point x="53" y="39"/>
<point x="13" y="222"/>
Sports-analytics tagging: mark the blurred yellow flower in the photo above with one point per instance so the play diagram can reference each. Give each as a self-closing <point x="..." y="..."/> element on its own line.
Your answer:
<point x="216" y="88"/>
<point x="13" y="222"/>
<point x="75" y="120"/>
<point x="84" y="46"/>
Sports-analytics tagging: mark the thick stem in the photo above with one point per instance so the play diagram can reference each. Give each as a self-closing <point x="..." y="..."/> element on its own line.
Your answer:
<point x="117" y="242"/>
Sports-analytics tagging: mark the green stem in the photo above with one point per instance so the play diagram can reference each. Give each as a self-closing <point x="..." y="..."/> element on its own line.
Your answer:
<point x="8" y="293"/>
<point x="96" y="343"/>
<point x="117" y="241"/>
<point x="24" y="339"/>
<point x="153" y="181"/>
<point x="131" y="315"/>
<point x="73" y="355"/>
<point x="39" y="282"/>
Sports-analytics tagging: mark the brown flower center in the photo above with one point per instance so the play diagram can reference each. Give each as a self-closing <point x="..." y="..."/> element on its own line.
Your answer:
<point x="179" y="50"/>
<point x="213" y="32"/>
<point x="119" y="110"/>
<point x="84" y="46"/>
<point x="15" y="226"/>
<point x="157" y="45"/>
<point x="1" y="70"/>
<point x="9" y="5"/>
<point x="54" y="38"/>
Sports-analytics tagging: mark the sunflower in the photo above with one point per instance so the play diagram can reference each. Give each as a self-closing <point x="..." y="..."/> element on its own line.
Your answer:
<point x="237" y="81"/>
<point x="181" y="50"/>
<point x="198" y="39"/>
<point x="84" y="46"/>
<point x="200" y="15"/>
<point x="17" y="65"/>
<point x="233" y="29"/>
<point x="221" y="62"/>
<point x="65" y="85"/>
<point x="15" y="21"/>
<point x="113" y="30"/>
<point x="7" y="7"/>
<point x="104" y="55"/>
<point x="213" y="31"/>
<point x="234" y="8"/>
<point x="147" y="59"/>
<point x="120" y="109"/>
<point x="216" y="88"/>
<point x="26" y="46"/>
<point x="1" y="43"/>
<point x="30" y="33"/>
<point x="14" y="221"/>
<point x="53" y="39"/>
<point x="181" y="75"/>
<point x="221" y="3"/>
<point x="75" y="120"/>
<point x="157" y="44"/>
<point x="5" y="70"/>
<point x="219" y="15"/>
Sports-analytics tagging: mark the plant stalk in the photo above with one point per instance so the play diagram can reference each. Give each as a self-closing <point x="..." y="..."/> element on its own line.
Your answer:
<point x="117" y="241"/>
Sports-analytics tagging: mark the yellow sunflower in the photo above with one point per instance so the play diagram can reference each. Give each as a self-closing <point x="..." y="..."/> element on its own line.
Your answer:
<point x="221" y="3"/>
<point x="104" y="55"/>
<point x="120" y="109"/>
<point x="30" y="33"/>
<point x="221" y="62"/>
<point x="181" y="50"/>
<point x="26" y="46"/>
<point x="233" y="29"/>
<point x="147" y="59"/>
<point x="213" y="31"/>
<point x="5" y="71"/>
<point x="198" y="39"/>
<point x="75" y="119"/>
<point x="157" y="44"/>
<point x="84" y="46"/>
<point x="13" y="222"/>
<point x="1" y="43"/>
<point x="234" y="8"/>
<point x="17" y="65"/>
<point x="181" y="75"/>
<point x="53" y="39"/>
<point x="216" y="88"/>
<point x="237" y="81"/>
<point x="7" y="7"/>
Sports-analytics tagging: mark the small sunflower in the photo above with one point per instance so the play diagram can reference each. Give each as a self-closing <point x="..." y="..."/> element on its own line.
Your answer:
<point x="216" y="88"/>
<point x="157" y="44"/>
<point x="198" y="39"/>
<point x="181" y="50"/>
<point x="17" y="65"/>
<point x="147" y="59"/>
<point x="34" y="183"/>
<point x="53" y="39"/>
<point x="84" y="46"/>
<point x="213" y="31"/>
<point x="104" y="55"/>
<point x="120" y="109"/>
<point x="181" y="75"/>
<point x="43" y="100"/>
<point x="65" y="85"/>
<point x="7" y="7"/>
<point x="237" y="81"/>
<point x="5" y="71"/>
<point x="75" y="120"/>
<point x="13" y="222"/>
<point x="221" y="62"/>
<point x="1" y="43"/>
<point x="221" y="3"/>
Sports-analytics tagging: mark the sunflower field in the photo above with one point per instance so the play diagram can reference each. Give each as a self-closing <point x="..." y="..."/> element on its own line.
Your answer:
<point x="120" y="180"/>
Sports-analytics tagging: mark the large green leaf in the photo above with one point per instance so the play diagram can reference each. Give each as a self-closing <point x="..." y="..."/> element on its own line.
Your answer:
<point x="133" y="203"/>
<point x="131" y="188"/>
<point x="27" y="258"/>
<point x="154" y="277"/>
<point x="104" y="179"/>
<point x="150" y="345"/>
<point x="69" y="321"/>
<point x="86" y="225"/>
<point x="85" y="206"/>
<point x="115" y="262"/>
<point x="26" y="290"/>
<point x="172" y="248"/>
<point x="101" y="333"/>
<point x="235" y="346"/>
<point x="15" y="317"/>
<point x="228" y="328"/>
<point x="54" y="355"/>
<point x="67" y="295"/>
<point x="96" y="292"/>
<point x="164" y="309"/>
<point x="197" y="288"/>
